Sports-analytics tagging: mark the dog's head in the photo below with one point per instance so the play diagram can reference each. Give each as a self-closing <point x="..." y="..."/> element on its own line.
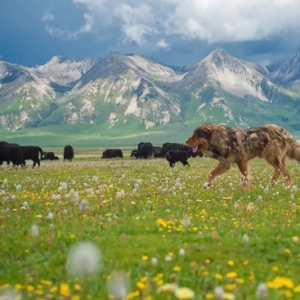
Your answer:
<point x="199" y="141"/>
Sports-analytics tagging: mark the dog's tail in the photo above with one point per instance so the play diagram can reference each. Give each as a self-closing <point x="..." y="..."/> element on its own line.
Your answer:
<point x="294" y="151"/>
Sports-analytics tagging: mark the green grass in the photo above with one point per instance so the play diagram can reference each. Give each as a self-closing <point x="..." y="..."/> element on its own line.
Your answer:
<point x="132" y="230"/>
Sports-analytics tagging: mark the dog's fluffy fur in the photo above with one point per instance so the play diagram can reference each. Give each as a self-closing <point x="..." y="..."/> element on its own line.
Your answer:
<point x="234" y="145"/>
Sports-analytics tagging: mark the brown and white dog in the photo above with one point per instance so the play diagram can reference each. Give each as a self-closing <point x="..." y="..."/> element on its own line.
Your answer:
<point x="234" y="145"/>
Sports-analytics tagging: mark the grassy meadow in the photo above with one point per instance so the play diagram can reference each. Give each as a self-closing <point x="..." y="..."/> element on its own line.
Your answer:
<point x="147" y="231"/>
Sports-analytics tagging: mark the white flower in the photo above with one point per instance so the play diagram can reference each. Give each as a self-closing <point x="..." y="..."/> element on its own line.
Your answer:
<point x="25" y="204"/>
<point x="259" y="198"/>
<point x="50" y="216"/>
<point x="168" y="258"/>
<point x="181" y="252"/>
<point x="186" y="222"/>
<point x="261" y="291"/>
<point x="219" y="293"/>
<point x="83" y="258"/>
<point x="245" y="238"/>
<point x="63" y="185"/>
<point x="34" y="230"/>
<point x="294" y="188"/>
<point x="154" y="261"/>
<point x="83" y="206"/>
<point x="18" y="187"/>
<point x="118" y="285"/>
<point x="184" y="293"/>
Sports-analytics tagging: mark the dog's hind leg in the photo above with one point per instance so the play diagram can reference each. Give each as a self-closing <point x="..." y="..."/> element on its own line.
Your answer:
<point x="243" y="167"/>
<point x="220" y="169"/>
<point x="279" y="166"/>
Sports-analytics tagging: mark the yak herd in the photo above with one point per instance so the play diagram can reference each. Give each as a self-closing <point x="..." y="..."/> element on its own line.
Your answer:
<point x="172" y="152"/>
<point x="17" y="155"/>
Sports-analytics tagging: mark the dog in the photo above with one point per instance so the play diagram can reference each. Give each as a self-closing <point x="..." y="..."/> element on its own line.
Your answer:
<point x="234" y="145"/>
<point x="173" y="156"/>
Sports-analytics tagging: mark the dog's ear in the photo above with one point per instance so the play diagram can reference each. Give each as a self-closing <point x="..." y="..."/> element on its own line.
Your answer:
<point x="205" y="131"/>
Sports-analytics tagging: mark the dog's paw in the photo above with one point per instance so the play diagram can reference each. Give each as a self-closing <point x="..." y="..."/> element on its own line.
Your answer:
<point x="206" y="185"/>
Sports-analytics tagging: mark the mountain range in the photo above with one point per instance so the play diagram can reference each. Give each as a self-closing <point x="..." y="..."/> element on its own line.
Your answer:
<point x="130" y="93"/>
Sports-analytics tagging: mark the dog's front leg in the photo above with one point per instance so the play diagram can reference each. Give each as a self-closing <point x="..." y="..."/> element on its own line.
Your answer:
<point x="243" y="167"/>
<point x="221" y="168"/>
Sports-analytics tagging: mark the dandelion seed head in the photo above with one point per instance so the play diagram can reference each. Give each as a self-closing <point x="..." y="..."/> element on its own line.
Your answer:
<point x="34" y="230"/>
<point x="118" y="285"/>
<point x="83" y="258"/>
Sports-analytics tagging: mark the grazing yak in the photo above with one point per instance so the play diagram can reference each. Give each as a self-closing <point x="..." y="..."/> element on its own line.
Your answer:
<point x="133" y="153"/>
<point x="11" y="153"/>
<point x="32" y="153"/>
<point x="68" y="153"/>
<point x="49" y="156"/>
<point x="168" y="147"/>
<point x="112" y="153"/>
<point x="145" y="150"/>
<point x="179" y="155"/>
<point x="157" y="152"/>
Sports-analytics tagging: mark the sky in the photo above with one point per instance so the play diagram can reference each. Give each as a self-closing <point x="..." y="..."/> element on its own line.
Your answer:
<point x="173" y="32"/>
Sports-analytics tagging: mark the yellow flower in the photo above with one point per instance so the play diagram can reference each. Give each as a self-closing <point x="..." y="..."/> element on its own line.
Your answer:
<point x="30" y="288"/>
<point x="231" y="275"/>
<point x="230" y="263"/>
<point x="144" y="279"/>
<point x="141" y="285"/>
<point x="218" y="276"/>
<point x="46" y="282"/>
<point x="64" y="290"/>
<point x="75" y="297"/>
<point x="184" y="293"/>
<point x="228" y="296"/>
<point x="167" y="287"/>
<point x="161" y="222"/>
<point x="144" y="257"/>
<point x="77" y="287"/>
<point x="39" y="292"/>
<point x="209" y="296"/>
<point x="177" y="269"/>
<point x="132" y="295"/>
<point x="280" y="282"/>
<point x="54" y="289"/>
<point x="19" y="286"/>
<point x="297" y="289"/>
<point x="230" y="287"/>
<point x="5" y="286"/>
<point x="275" y="269"/>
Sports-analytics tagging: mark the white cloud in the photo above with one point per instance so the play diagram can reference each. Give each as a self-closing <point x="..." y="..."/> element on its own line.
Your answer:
<point x="208" y="20"/>
<point x="163" y="44"/>
<point x="48" y="16"/>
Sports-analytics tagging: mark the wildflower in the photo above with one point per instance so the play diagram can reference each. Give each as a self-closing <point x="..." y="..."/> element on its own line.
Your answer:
<point x="18" y="187"/>
<point x="168" y="258"/>
<point x="161" y="222"/>
<point x="144" y="257"/>
<point x="294" y="189"/>
<point x="118" y="285"/>
<point x="34" y="230"/>
<point x="83" y="206"/>
<point x="295" y="239"/>
<point x="181" y="252"/>
<point x="259" y="198"/>
<point x="167" y="287"/>
<point x="219" y="293"/>
<point x="177" y="269"/>
<point x="186" y="222"/>
<point x="83" y="258"/>
<point x="64" y="289"/>
<point x="231" y="275"/>
<point x="154" y="261"/>
<point x="245" y="239"/>
<point x="261" y="291"/>
<point x="184" y="293"/>
<point x="25" y="204"/>
<point x="50" y="216"/>
<point x="230" y="263"/>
